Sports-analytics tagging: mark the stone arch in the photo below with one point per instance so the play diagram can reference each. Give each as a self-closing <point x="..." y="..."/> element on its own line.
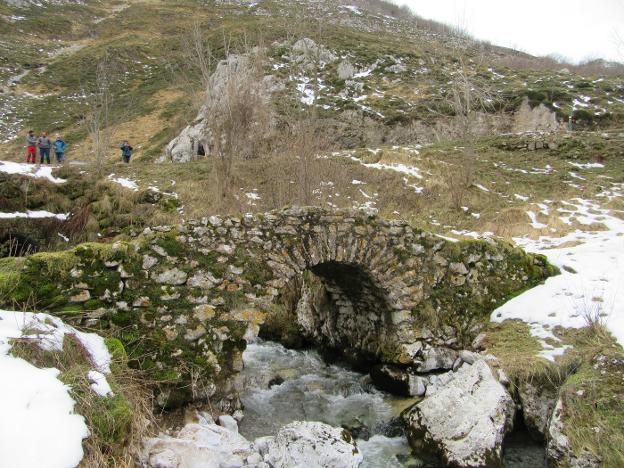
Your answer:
<point x="367" y="288"/>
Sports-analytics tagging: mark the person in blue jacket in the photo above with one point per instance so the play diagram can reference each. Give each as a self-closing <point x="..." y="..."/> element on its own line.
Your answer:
<point x="59" y="149"/>
<point x="126" y="151"/>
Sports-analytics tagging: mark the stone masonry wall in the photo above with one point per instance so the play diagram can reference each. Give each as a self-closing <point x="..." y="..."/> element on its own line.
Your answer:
<point x="184" y="299"/>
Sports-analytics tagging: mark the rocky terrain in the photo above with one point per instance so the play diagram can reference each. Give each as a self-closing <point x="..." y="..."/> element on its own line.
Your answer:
<point x="347" y="237"/>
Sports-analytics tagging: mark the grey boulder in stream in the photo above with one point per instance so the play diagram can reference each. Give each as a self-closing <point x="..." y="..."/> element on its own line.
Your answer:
<point x="465" y="422"/>
<point x="204" y="444"/>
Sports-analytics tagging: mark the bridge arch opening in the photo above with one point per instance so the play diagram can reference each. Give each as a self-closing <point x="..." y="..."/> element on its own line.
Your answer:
<point x="338" y="308"/>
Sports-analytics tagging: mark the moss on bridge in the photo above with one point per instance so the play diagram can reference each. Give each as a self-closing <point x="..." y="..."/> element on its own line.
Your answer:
<point x="182" y="299"/>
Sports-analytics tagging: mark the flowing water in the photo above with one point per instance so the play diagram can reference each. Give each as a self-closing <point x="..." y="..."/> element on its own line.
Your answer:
<point x="283" y="385"/>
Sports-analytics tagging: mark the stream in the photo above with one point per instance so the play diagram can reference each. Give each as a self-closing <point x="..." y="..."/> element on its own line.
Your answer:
<point x="284" y="385"/>
<point x="315" y="391"/>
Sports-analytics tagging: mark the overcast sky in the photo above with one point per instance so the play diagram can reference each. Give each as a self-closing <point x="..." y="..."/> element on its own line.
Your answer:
<point x="576" y="29"/>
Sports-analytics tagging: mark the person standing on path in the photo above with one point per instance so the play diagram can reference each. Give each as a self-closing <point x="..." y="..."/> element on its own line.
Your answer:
<point x="44" y="144"/>
<point x="31" y="147"/>
<point x="59" y="149"/>
<point x="126" y="151"/>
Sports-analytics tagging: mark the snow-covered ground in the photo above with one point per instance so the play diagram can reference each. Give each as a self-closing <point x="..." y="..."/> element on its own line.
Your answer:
<point x="590" y="286"/>
<point x="30" y="170"/>
<point x="36" y="214"/>
<point x="38" y="425"/>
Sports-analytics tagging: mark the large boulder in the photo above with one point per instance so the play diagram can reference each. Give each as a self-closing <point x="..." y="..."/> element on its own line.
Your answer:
<point x="465" y="422"/>
<point x="310" y="444"/>
<point x="236" y="74"/>
<point x="190" y="144"/>
<point x="204" y="444"/>
<point x="308" y="52"/>
<point x="201" y="444"/>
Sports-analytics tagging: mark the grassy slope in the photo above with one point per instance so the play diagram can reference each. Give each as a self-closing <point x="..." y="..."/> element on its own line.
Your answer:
<point x="156" y="89"/>
<point x="157" y="100"/>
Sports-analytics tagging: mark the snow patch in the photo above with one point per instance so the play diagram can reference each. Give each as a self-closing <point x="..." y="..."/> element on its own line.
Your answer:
<point x="37" y="214"/>
<point x="39" y="426"/>
<point x="589" y="286"/>
<point x="124" y="182"/>
<point x="30" y="170"/>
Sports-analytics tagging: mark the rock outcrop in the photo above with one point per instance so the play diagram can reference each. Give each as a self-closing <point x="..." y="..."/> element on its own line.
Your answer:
<point x="536" y="119"/>
<point x="206" y="445"/>
<point x="465" y="422"/>
<point x="234" y="77"/>
<point x="309" y="53"/>
<point x="558" y="448"/>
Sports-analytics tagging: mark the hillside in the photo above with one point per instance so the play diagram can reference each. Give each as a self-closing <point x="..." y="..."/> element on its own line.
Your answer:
<point x="242" y="112"/>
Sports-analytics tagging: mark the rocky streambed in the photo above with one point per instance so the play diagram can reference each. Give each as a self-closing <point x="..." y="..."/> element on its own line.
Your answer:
<point x="300" y="410"/>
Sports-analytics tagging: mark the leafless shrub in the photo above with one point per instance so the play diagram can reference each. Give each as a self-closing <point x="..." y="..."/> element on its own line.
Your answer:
<point x="468" y="98"/>
<point x="17" y="246"/>
<point x="458" y="179"/>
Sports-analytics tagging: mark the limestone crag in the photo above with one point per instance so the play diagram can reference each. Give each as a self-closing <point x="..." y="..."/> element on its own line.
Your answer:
<point x="184" y="299"/>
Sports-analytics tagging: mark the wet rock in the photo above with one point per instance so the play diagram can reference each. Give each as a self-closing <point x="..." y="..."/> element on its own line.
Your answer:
<point x="310" y="444"/>
<point x="393" y="428"/>
<point x="466" y="421"/>
<point x="537" y="406"/>
<point x="358" y="430"/>
<point x="436" y="359"/>
<point x="391" y="378"/>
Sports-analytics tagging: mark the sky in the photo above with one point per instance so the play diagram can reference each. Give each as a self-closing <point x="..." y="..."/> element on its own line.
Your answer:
<point x="575" y="29"/>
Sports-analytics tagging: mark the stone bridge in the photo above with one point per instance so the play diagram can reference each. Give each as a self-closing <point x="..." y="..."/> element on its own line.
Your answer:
<point x="185" y="299"/>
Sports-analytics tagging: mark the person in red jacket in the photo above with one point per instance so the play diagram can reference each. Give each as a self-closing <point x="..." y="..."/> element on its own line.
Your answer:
<point x="31" y="147"/>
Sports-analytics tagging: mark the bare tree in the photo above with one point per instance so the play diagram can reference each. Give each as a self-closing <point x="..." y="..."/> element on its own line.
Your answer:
<point x="99" y="118"/>
<point x="238" y="113"/>
<point x="200" y="53"/>
<point x="468" y="98"/>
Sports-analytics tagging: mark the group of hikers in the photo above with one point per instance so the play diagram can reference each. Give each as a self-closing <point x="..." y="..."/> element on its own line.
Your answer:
<point x="44" y="144"/>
